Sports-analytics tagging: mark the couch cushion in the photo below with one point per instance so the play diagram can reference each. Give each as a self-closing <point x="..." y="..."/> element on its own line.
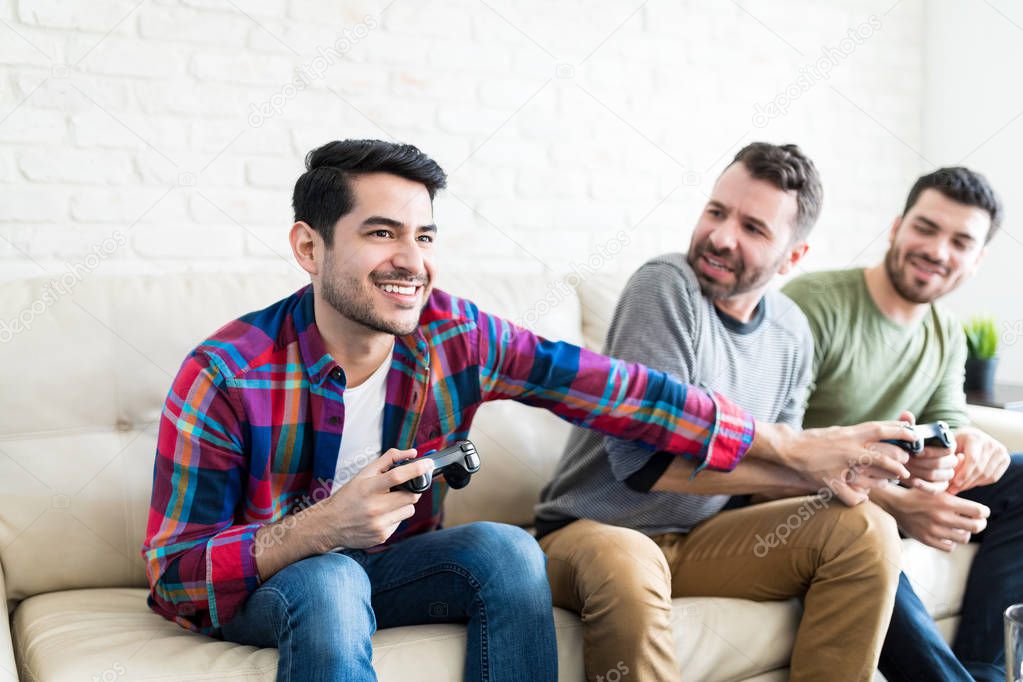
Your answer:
<point x="83" y="633"/>
<point x="110" y="633"/>
<point x="63" y="635"/>
<point x="938" y="578"/>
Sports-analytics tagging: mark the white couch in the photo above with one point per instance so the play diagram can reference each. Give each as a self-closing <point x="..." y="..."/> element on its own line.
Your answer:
<point x="85" y="373"/>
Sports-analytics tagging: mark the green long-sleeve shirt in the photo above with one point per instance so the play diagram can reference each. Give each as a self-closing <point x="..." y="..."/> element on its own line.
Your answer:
<point x="866" y="366"/>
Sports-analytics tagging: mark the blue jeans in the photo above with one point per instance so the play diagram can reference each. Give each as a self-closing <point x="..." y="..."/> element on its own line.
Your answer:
<point x="321" y="612"/>
<point x="914" y="650"/>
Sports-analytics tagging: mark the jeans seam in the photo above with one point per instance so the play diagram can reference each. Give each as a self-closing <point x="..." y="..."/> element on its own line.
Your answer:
<point x="287" y="624"/>
<point x="453" y="568"/>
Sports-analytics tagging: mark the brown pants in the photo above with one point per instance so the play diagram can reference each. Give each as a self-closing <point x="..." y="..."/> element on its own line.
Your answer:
<point x="843" y="561"/>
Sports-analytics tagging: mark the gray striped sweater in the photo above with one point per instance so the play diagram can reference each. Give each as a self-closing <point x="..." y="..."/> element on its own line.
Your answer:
<point x="662" y="320"/>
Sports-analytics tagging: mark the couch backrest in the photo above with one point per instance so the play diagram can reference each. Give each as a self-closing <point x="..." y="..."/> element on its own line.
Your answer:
<point x="85" y="369"/>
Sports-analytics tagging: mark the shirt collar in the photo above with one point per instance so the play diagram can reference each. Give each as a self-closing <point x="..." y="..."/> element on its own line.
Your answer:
<point x="317" y="361"/>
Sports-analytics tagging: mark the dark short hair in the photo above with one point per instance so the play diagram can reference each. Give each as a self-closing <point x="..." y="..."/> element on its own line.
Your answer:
<point x="323" y="194"/>
<point x="787" y="168"/>
<point x="963" y="186"/>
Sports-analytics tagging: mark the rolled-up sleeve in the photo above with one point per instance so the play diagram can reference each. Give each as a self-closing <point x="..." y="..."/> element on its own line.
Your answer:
<point x="200" y="560"/>
<point x="618" y="398"/>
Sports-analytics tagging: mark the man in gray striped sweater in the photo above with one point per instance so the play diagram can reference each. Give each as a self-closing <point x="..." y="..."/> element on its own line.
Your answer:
<point x="626" y="530"/>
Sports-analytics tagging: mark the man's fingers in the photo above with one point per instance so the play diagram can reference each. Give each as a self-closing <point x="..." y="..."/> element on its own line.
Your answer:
<point x="938" y="543"/>
<point x="390" y="458"/>
<point x="932" y="452"/>
<point x="889" y="431"/>
<point x="968" y="471"/>
<point x="940" y="461"/>
<point x="968" y="508"/>
<point x="884" y="457"/>
<point x="954" y="535"/>
<point x="401" y="498"/>
<point x="400" y="514"/>
<point x="907" y="416"/>
<point x="870" y="479"/>
<point x="957" y="522"/>
<point x="937" y="475"/>
<point x="1000" y="466"/>
<point x="876" y="472"/>
<point x="404" y="473"/>
<point x="848" y="495"/>
<point x="930" y="487"/>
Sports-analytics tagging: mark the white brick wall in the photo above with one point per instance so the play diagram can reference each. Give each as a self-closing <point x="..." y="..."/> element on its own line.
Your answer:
<point x="180" y="124"/>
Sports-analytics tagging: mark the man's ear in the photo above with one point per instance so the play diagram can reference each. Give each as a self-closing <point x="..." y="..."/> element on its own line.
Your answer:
<point x="976" y="263"/>
<point x="795" y="254"/>
<point x="895" y="228"/>
<point x="307" y="247"/>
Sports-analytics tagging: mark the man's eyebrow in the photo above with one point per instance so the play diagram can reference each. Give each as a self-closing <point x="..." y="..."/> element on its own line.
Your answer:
<point x="381" y="220"/>
<point x="927" y="221"/>
<point x="930" y="223"/>
<point x="757" y="221"/>
<point x="396" y="224"/>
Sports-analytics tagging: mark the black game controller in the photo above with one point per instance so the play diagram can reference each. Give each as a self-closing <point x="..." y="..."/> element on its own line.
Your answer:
<point x="937" y="434"/>
<point x="457" y="462"/>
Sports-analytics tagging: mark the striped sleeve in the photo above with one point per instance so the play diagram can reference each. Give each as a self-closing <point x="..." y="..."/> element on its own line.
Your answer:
<point x="200" y="563"/>
<point x="622" y="399"/>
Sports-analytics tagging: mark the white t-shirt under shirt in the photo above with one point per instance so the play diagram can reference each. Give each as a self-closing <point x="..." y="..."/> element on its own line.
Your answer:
<point x="364" y="425"/>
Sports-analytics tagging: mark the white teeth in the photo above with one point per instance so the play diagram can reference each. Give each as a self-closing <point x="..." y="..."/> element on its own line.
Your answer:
<point x="927" y="267"/>
<point x="396" y="289"/>
<point x="716" y="263"/>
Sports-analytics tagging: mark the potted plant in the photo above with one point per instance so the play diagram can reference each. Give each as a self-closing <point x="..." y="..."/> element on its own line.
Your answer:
<point x="982" y="349"/>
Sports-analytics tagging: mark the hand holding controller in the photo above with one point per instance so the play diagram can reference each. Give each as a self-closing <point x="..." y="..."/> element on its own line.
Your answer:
<point x="457" y="462"/>
<point x="936" y="434"/>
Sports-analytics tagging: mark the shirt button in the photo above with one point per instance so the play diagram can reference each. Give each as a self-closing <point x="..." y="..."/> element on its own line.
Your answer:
<point x="336" y="373"/>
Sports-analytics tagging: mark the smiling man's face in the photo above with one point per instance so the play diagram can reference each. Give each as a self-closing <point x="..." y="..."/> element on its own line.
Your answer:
<point x="744" y="236"/>
<point x="379" y="270"/>
<point x="935" y="247"/>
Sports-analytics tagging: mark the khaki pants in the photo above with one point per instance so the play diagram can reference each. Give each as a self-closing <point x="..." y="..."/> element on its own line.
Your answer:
<point x="843" y="561"/>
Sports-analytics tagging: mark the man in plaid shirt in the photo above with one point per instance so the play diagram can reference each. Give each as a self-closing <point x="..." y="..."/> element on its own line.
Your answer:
<point x="272" y="520"/>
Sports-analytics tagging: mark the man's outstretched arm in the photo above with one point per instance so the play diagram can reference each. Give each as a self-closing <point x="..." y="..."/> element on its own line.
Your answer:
<point x="633" y="402"/>
<point x="782" y="461"/>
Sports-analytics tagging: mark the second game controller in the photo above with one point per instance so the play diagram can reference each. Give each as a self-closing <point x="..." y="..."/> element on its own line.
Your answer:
<point x="937" y="434"/>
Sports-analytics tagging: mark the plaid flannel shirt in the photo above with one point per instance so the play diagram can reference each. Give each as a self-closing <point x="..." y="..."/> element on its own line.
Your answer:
<point x="252" y="426"/>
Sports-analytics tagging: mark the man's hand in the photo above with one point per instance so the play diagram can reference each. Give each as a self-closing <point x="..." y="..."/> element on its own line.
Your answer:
<point x="849" y="460"/>
<point x="982" y="460"/>
<point x="931" y="469"/>
<point x="364" y="512"/>
<point x="940" y="520"/>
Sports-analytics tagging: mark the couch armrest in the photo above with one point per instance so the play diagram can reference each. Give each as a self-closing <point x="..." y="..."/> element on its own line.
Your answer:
<point x="8" y="667"/>
<point x="1004" y="425"/>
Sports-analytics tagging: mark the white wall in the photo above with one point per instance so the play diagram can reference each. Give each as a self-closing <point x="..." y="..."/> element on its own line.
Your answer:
<point x="559" y="123"/>
<point x="973" y="116"/>
<point x="167" y="135"/>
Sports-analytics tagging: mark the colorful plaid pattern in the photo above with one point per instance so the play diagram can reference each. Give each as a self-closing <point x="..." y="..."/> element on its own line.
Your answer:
<point x="252" y="425"/>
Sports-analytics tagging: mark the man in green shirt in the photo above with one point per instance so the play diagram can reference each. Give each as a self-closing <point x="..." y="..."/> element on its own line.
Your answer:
<point x="884" y="347"/>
